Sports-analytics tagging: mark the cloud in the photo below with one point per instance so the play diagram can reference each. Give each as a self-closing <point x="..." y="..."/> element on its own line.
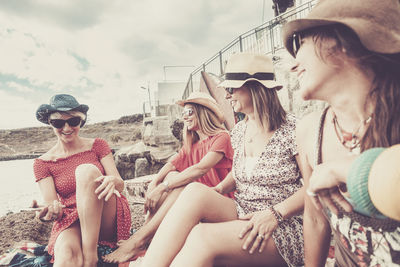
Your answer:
<point x="103" y="51"/>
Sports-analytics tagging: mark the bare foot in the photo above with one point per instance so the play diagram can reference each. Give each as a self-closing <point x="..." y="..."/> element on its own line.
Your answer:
<point x="121" y="242"/>
<point x="126" y="251"/>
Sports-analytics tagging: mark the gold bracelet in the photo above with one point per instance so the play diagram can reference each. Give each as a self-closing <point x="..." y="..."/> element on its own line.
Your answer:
<point x="277" y="215"/>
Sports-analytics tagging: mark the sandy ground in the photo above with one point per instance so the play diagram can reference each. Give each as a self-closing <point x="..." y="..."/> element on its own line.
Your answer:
<point x="23" y="226"/>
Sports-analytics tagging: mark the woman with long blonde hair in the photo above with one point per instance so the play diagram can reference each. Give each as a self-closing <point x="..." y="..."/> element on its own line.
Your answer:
<point x="262" y="226"/>
<point x="205" y="157"/>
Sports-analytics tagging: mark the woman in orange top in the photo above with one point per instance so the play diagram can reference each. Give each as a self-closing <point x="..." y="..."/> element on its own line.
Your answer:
<point x="206" y="157"/>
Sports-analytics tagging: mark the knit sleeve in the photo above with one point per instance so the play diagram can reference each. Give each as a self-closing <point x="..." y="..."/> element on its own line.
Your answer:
<point x="40" y="170"/>
<point x="101" y="148"/>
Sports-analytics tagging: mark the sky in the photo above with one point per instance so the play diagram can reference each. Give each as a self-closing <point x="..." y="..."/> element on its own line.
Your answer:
<point x="103" y="52"/>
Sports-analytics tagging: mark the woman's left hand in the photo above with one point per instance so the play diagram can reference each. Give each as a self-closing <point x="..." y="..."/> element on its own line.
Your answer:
<point x="261" y="225"/>
<point x="324" y="187"/>
<point x="153" y="198"/>
<point x="106" y="188"/>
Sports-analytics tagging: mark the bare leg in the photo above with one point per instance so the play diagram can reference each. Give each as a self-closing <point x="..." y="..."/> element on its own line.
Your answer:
<point x="139" y="241"/>
<point x="196" y="203"/>
<point x="96" y="216"/>
<point x="218" y="243"/>
<point x="67" y="249"/>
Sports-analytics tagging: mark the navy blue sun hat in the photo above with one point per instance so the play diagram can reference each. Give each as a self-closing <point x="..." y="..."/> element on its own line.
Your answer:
<point x="61" y="102"/>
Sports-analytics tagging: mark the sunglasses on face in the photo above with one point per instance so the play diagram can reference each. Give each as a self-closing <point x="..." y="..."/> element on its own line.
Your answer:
<point x="296" y="43"/>
<point x="73" y="122"/>
<point x="230" y="90"/>
<point x="187" y="112"/>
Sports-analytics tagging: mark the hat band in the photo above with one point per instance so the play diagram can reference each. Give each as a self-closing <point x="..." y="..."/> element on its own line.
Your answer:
<point x="241" y="76"/>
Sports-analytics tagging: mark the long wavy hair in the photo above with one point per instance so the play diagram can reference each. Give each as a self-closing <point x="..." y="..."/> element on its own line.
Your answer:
<point x="268" y="111"/>
<point x="384" y="95"/>
<point x="208" y="123"/>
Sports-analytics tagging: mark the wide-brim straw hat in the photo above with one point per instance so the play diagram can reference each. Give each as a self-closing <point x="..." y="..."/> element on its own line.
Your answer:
<point x="376" y="23"/>
<point x="205" y="100"/>
<point x="244" y="67"/>
<point x="60" y="102"/>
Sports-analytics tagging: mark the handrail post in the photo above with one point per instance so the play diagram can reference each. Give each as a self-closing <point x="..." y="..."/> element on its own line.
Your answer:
<point x="221" y="67"/>
<point x="191" y="83"/>
<point x="240" y="44"/>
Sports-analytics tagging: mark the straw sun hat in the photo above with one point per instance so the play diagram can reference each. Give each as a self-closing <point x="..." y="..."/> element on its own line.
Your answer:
<point x="244" y="67"/>
<point x="206" y="100"/>
<point x="376" y="23"/>
<point x="61" y="102"/>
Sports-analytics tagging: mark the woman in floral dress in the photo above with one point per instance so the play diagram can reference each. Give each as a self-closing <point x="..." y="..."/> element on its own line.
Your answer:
<point x="262" y="226"/>
<point x="81" y="187"/>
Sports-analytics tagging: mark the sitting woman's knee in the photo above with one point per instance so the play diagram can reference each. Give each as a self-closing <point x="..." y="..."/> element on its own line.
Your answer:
<point x="195" y="190"/>
<point x="86" y="173"/>
<point x="68" y="257"/>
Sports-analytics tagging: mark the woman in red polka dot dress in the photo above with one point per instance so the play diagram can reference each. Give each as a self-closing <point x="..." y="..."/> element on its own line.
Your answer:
<point x="81" y="187"/>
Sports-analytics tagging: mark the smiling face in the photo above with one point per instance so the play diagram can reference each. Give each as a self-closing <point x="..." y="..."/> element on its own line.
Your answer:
<point x="240" y="100"/>
<point x="317" y="77"/>
<point x="67" y="132"/>
<point x="189" y="117"/>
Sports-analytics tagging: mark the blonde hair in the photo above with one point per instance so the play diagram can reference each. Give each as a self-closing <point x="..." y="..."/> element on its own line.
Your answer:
<point x="208" y="124"/>
<point x="74" y="113"/>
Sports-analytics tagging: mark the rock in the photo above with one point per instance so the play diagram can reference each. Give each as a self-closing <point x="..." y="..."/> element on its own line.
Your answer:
<point x="157" y="132"/>
<point x="177" y="129"/>
<point x="142" y="167"/>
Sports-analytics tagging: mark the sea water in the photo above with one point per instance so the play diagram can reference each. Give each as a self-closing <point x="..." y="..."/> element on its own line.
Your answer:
<point x="17" y="186"/>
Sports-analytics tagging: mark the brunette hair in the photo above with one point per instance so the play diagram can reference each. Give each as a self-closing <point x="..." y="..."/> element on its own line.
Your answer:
<point x="384" y="128"/>
<point x="268" y="110"/>
<point x="208" y="123"/>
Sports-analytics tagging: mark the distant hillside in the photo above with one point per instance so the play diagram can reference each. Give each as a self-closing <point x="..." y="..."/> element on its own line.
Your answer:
<point x="33" y="141"/>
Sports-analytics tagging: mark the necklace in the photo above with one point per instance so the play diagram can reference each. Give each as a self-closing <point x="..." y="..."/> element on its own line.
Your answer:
<point x="350" y="140"/>
<point x="250" y="139"/>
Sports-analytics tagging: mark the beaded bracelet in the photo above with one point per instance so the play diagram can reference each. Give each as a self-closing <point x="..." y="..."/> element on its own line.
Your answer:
<point x="277" y="215"/>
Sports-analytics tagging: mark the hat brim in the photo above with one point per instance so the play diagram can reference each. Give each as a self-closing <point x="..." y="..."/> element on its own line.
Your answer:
<point x="239" y="83"/>
<point x="45" y="110"/>
<point x="206" y="103"/>
<point x="300" y="25"/>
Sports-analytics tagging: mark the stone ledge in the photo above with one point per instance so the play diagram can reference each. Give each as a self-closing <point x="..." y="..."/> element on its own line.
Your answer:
<point x="136" y="188"/>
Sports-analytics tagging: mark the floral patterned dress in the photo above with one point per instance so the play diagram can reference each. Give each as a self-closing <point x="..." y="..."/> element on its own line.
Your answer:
<point x="274" y="178"/>
<point x="360" y="240"/>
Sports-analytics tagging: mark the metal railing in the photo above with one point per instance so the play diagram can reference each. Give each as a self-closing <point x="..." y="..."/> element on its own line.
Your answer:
<point x="266" y="38"/>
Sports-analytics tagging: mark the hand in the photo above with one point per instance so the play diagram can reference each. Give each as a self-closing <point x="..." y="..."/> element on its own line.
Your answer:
<point x="152" y="185"/>
<point x="107" y="187"/>
<point x="324" y="187"/>
<point x="153" y="198"/>
<point x="261" y="225"/>
<point x="51" y="212"/>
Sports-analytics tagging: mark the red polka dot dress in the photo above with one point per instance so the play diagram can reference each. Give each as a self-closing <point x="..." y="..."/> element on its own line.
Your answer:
<point x="63" y="172"/>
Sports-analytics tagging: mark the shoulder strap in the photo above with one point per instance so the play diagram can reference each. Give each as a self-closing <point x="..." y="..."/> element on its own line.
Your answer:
<point x="318" y="150"/>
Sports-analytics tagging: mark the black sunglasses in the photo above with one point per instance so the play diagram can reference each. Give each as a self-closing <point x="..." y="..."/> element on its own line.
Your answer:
<point x="296" y="43"/>
<point x="187" y="112"/>
<point x="229" y="90"/>
<point x="73" y="122"/>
